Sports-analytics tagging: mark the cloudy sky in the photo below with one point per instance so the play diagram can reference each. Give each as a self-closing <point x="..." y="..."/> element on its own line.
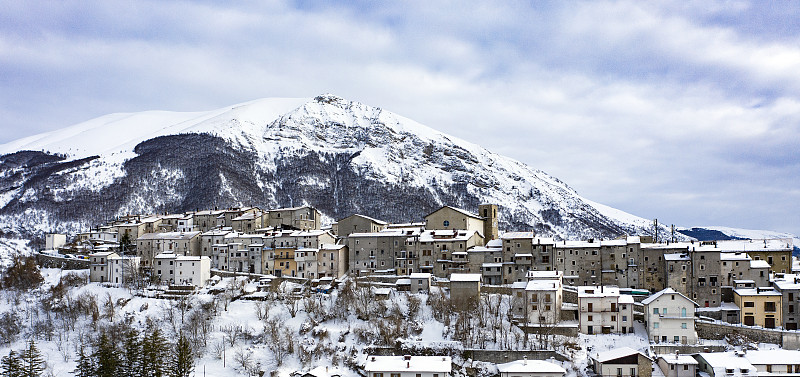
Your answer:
<point x="688" y="112"/>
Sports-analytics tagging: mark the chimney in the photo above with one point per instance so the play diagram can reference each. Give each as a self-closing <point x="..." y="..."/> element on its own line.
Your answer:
<point x="406" y="357"/>
<point x="524" y="360"/>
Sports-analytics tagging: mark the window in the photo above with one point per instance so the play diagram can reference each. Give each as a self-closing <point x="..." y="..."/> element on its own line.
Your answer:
<point x="589" y="318"/>
<point x="749" y="304"/>
<point x="769" y="306"/>
<point x="619" y="372"/>
<point x="633" y="372"/>
<point x="655" y="310"/>
<point x="683" y="312"/>
<point x="395" y="374"/>
<point x="655" y="325"/>
<point x="676" y="339"/>
<point x="624" y="318"/>
<point x="683" y="325"/>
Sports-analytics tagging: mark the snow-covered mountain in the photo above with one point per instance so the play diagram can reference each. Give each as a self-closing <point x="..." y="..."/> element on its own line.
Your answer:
<point x="340" y="156"/>
<point x="706" y="233"/>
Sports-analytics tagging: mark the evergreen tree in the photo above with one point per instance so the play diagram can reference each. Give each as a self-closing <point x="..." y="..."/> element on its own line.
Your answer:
<point x="32" y="361"/>
<point x="11" y="365"/>
<point x="154" y="354"/>
<point x="182" y="363"/>
<point x="105" y="358"/>
<point x="130" y="363"/>
<point x="85" y="367"/>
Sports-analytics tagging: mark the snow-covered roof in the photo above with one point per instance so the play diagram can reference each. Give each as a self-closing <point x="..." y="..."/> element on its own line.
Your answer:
<point x="445" y="235"/>
<point x="775" y="356"/>
<point x="481" y="249"/>
<point x="662" y="292"/>
<point x="465" y="277"/>
<point x="676" y="257"/>
<point x="788" y="281"/>
<point x="678" y="359"/>
<point x="760" y="291"/>
<point x="759" y="264"/>
<point x="169" y="236"/>
<point x="734" y="256"/>
<point x="626" y="299"/>
<point x="408" y="364"/>
<point x="459" y="210"/>
<point x="380" y="222"/>
<point x="330" y="246"/>
<point x="719" y="361"/>
<point x="530" y="366"/>
<point x="542" y="285"/>
<point x="496" y="243"/>
<point x="617" y="353"/>
<point x="420" y="275"/>
<point x="593" y="291"/>
<point x="517" y="235"/>
<point x="403" y="282"/>
<point x="555" y="274"/>
<point x="577" y="244"/>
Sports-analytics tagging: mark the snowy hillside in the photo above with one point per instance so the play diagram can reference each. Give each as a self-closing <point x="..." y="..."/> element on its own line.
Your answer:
<point x="737" y="233"/>
<point x="340" y="156"/>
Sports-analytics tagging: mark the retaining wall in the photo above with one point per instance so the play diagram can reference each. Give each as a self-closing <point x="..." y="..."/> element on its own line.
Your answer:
<point x="50" y="261"/>
<point x="718" y="330"/>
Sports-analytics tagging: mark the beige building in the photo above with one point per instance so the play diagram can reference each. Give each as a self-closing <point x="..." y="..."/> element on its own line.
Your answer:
<point x="300" y="218"/>
<point x="332" y="260"/>
<point x="358" y="224"/>
<point x="149" y="245"/>
<point x="760" y="306"/>
<point x="450" y="218"/>
<point x="540" y="298"/>
<point x="465" y="289"/>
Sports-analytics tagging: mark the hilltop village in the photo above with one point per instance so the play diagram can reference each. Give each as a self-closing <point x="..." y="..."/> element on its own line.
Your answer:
<point x="679" y="295"/>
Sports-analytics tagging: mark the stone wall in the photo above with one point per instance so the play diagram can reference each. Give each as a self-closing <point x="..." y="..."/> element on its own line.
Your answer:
<point x="490" y="356"/>
<point x="62" y="263"/>
<point x="718" y="330"/>
<point x="669" y="349"/>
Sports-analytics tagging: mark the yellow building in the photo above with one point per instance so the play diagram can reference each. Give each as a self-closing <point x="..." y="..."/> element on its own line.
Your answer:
<point x="759" y="306"/>
<point x="284" y="263"/>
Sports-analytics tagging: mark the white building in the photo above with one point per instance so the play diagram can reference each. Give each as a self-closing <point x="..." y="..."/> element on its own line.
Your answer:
<point x="192" y="270"/>
<point x="306" y="259"/>
<point x="539" y="298"/>
<point x="725" y="364"/>
<point x="669" y="317"/>
<point x="603" y="310"/>
<point x="677" y="365"/>
<point x="531" y="368"/>
<point x="408" y="366"/>
<point x="53" y="241"/>
<point x="98" y="266"/>
<point x="122" y="268"/>
<point x="182" y="269"/>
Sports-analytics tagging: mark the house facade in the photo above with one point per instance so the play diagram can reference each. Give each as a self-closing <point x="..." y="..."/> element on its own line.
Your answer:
<point x="669" y="317"/>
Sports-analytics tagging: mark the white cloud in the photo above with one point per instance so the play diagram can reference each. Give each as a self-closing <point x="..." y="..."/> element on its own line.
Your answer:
<point x="659" y="109"/>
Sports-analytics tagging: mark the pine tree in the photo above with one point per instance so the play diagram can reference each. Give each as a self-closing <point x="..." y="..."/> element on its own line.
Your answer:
<point x="32" y="361"/>
<point x="85" y="367"/>
<point x="182" y="363"/>
<point x="105" y="357"/>
<point x="130" y="364"/>
<point x="11" y="365"/>
<point x="154" y="353"/>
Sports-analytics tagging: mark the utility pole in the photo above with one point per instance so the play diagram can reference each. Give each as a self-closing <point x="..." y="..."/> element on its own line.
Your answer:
<point x="655" y="230"/>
